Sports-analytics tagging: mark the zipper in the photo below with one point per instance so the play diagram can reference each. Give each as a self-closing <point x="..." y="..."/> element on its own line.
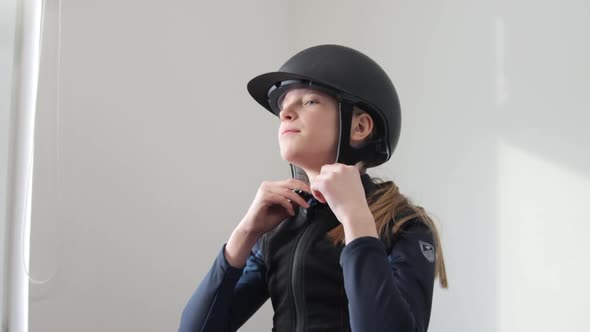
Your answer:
<point x="296" y="278"/>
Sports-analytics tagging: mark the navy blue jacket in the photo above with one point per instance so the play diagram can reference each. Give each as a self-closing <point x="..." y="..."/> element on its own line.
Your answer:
<point x="387" y="284"/>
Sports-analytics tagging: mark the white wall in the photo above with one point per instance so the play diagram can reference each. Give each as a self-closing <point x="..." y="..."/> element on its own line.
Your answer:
<point x="7" y="28"/>
<point x="157" y="136"/>
<point x="494" y="143"/>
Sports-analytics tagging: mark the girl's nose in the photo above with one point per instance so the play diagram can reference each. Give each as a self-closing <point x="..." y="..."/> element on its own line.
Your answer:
<point x="287" y="114"/>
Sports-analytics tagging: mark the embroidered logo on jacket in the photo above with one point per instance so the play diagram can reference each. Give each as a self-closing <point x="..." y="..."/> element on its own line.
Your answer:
<point x="427" y="250"/>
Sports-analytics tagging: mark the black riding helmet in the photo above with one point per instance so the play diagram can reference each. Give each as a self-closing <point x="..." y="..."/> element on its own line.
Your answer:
<point x="353" y="79"/>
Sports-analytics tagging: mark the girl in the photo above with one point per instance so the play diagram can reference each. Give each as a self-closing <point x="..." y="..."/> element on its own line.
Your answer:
<point x="334" y="249"/>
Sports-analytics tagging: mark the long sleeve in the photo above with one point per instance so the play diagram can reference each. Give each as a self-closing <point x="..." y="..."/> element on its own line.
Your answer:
<point x="390" y="292"/>
<point x="227" y="297"/>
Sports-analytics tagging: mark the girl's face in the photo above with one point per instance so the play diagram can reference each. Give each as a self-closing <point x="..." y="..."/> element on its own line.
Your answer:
<point x="308" y="134"/>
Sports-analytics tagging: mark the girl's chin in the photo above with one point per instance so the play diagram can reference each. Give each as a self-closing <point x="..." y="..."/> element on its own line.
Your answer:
<point x="291" y="157"/>
<point x="300" y="157"/>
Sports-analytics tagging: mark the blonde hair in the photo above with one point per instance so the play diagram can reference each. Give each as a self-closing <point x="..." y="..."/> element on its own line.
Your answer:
<point x="386" y="204"/>
<point x="391" y="210"/>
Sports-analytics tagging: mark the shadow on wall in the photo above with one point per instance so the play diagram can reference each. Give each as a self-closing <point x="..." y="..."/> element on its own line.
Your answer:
<point x="543" y="167"/>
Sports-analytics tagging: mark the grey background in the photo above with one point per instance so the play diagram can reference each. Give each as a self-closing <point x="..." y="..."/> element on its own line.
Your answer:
<point x="7" y="24"/>
<point x="156" y="150"/>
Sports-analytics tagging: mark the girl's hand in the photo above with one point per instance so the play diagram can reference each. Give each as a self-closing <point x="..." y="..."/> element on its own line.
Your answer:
<point x="340" y="186"/>
<point x="274" y="201"/>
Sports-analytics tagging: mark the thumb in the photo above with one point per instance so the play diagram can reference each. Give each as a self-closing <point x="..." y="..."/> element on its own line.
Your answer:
<point x="317" y="194"/>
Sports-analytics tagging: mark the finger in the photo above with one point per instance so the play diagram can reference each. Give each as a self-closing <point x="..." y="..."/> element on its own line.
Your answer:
<point x="293" y="196"/>
<point x="296" y="184"/>
<point x="283" y="201"/>
<point x="290" y="195"/>
<point x="327" y="168"/>
<point x="316" y="190"/>
<point x="318" y="195"/>
<point x="284" y="188"/>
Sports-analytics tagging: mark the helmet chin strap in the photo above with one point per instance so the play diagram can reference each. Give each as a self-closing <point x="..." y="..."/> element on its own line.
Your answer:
<point x="298" y="173"/>
<point x="346" y="154"/>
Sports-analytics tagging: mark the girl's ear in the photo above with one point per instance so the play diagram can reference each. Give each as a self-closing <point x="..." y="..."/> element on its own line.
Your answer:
<point x="362" y="126"/>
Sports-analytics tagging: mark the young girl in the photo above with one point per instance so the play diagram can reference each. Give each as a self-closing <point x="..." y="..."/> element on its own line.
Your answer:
<point x="334" y="249"/>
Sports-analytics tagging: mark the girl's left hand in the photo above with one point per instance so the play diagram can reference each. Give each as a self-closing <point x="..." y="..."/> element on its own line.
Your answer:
<point x="340" y="186"/>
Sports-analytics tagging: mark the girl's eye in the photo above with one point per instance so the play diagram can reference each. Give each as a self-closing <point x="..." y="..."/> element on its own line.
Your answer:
<point x="311" y="102"/>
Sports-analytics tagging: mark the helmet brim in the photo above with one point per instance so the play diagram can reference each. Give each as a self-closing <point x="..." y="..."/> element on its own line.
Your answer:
<point x="259" y="86"/>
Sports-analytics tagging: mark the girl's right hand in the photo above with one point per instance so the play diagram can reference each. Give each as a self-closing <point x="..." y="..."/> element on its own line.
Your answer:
<point x="274" y="201"/>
